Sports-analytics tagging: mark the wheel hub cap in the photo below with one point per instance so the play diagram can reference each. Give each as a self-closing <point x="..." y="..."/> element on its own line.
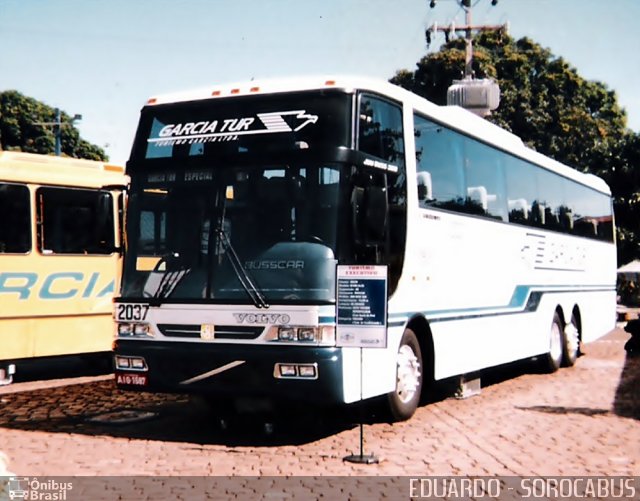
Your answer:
<point x="408" y="374"/>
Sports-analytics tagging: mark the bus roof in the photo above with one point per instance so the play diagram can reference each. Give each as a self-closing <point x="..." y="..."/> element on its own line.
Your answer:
<point x="17" y="166"/>
<point x="451" y="116"/>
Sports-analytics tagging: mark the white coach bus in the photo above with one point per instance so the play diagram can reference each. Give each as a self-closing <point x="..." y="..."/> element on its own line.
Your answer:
<point x="246" y="199"/>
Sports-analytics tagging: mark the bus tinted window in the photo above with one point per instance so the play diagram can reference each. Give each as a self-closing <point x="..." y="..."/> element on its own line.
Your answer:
<point x="75" y="221"/>
<point x="381" y="131"/>
<point x="15" y="207"/>
<point x="153" y="232"/>
<point x="522" y="190"/>
<point x="439" y="159"/>
<point x="462" y="174"/>
<point x="484" y="179"/>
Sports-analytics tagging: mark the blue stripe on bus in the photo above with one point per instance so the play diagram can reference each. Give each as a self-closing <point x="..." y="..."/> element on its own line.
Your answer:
<point x="525" y="298"/>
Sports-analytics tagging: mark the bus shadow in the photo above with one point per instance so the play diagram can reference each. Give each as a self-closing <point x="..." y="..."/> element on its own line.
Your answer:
<point x="627" y="399"/>
<point x="99" y="408"/>
<point x="63" y="367"/>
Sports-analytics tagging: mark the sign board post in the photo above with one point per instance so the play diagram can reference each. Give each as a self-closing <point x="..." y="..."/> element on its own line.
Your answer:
<point x="362" y="321"/>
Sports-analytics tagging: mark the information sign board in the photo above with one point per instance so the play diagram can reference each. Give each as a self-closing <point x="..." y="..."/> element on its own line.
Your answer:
<point x="362" y="306"/>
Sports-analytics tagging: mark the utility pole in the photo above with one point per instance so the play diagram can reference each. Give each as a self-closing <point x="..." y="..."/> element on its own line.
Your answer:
<point x="57" y="131"/>
<point x="480" y="96"/>
<point x="57" y="125"/>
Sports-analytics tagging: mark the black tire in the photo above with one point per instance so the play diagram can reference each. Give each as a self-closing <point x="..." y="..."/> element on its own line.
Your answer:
<point x="403" y="401"/>
<point x="571" y="343"/>
<point x="552" y="360"/>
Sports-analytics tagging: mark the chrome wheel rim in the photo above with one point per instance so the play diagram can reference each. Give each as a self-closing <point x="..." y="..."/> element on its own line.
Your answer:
<point x="572" y="339"/>
<point x="408" y="379"/>
<point x="556" y="342"/>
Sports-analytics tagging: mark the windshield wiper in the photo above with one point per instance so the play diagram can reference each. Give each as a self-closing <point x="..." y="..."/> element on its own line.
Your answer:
<point x="245" y="280"/>
<point x="170" y="278"/>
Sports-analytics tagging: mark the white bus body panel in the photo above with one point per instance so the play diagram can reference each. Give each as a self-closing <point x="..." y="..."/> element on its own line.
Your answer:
<point x="473" y="279"/>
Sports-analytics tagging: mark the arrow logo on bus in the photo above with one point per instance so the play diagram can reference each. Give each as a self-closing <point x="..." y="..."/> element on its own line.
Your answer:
<point x="274" y="122"/>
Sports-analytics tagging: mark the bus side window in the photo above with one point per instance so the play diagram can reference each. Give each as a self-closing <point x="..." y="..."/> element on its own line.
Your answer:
<point x="15" y="206"/>
<point x="75" y="221"/>
<point x="381" y="133"/>
<point x="522" y="192"/>
<point x="486" y="191"/>
<point x="438" y="156"/>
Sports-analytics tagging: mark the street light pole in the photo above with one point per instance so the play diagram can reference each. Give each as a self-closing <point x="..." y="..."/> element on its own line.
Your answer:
<point x="57" y="131"/>
<point x="57" y="128"/>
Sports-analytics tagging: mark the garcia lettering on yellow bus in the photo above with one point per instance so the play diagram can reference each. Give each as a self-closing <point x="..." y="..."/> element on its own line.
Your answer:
<point x="57" y="285"/>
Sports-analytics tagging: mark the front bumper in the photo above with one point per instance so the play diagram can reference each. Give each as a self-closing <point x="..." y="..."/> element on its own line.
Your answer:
<point x="231" y="370"/>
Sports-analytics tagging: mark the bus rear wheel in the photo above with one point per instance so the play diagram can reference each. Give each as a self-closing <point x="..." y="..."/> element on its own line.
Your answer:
<point x="404" y="400"/>
<point x="571" y="343"/>
<point x="553" y="359"/>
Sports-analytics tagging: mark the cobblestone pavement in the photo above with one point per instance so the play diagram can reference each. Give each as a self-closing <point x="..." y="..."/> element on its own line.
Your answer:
<point x="579" y="421"/>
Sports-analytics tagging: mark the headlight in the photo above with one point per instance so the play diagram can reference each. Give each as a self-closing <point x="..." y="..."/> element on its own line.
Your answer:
<point x="307" y="334"/>
<point x="123" y="362"/>
<point x="140" y="329"/>
<point x="130" y="363"/>
<point x="286" y="334"/>
<point x="134" y="330"/>
<point x="125" y="329"/>
<point x="323" y="335"/>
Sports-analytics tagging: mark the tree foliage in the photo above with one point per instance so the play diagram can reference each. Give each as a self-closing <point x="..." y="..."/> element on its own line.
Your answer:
<point x="22" y="129"/>
<point x="553" y="109"/>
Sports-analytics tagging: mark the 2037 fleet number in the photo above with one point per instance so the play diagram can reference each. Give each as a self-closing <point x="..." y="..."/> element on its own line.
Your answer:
<point x="129" y="312"/>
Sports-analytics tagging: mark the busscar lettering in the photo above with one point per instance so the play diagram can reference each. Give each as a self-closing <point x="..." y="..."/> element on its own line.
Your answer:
<point x="274" y="265"/>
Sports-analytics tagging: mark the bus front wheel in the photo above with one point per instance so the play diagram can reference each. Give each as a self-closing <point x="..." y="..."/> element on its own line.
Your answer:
<point x="403" y="402"/>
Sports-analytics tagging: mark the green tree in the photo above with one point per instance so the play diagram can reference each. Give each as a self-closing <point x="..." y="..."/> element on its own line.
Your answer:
<point x="553" y="109"/>
<point x="20" y="117"/>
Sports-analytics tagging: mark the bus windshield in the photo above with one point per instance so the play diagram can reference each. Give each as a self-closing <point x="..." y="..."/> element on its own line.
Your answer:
<point x="238" y="199"/>
<point x="235" y="233"/>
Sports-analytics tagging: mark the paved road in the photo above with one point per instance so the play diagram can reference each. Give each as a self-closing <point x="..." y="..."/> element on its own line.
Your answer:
<point x="579" y="421"/>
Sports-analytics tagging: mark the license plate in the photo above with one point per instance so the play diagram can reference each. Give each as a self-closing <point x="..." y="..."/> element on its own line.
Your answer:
<point x="129" y="379"/>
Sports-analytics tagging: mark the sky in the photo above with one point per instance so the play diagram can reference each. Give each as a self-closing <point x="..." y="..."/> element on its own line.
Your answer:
<point x="104" y="58"/>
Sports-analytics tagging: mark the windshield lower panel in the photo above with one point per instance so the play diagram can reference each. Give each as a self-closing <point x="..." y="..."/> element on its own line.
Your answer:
<point x="236" y="233"/>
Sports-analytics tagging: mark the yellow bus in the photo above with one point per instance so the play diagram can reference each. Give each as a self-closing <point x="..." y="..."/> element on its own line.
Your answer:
<point x="60" y="256"/>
